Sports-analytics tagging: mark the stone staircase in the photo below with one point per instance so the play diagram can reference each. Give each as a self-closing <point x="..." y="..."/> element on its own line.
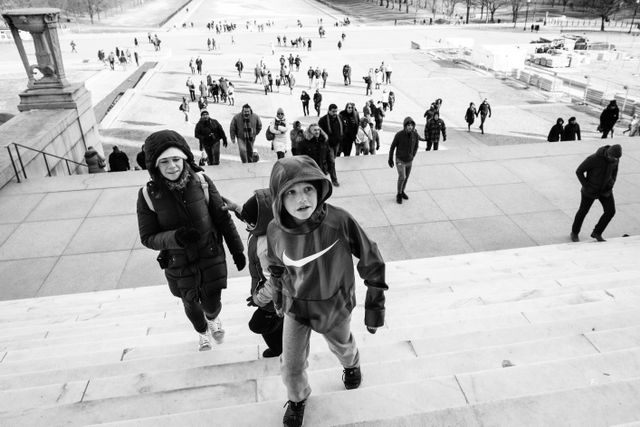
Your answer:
<point x="546" y="335"/>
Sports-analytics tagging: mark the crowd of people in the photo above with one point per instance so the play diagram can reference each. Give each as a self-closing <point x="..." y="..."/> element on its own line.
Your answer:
<point x="293" y="291"/>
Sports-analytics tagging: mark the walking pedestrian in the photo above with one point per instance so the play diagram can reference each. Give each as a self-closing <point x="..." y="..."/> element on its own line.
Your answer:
<point x="608" y="119"/>
<point x="305" y="98"/>
<point x="485" y="111"/>
<point x="189" y="239"/>
<point x="405" y="147"/>
<point x="317" y="101"/>
<point x="571" y="131"/>
<point x="184" y="107"/>
<point x="279" y="129"/>
<point x="597" y="175"/>
<point x="432" y="132"/>
<point x="470" y="115"/>
<point x="239" y="67"/>
<point x="556" y="131"/>
<point x="209" y="132"/>
<point x="245" y="127"/>
<point x="350" y="122"/>
<point x="325" y="287"/>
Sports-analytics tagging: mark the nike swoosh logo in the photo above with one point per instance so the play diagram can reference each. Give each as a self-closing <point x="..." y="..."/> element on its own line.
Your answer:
<point x="306" y="260"/>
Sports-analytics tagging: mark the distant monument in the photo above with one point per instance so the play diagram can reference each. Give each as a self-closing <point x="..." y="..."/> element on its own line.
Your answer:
<point x="63" y="112"/>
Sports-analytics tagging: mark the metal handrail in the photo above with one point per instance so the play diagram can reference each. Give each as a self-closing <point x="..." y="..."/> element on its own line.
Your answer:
<point x="44" y="155"/>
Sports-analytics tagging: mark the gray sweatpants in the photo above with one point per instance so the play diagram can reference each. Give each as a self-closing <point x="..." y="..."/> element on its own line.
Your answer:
<point x="295" y="352"/>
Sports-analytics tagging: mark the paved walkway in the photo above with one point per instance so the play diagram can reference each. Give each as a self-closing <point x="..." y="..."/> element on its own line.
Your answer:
<point x="507" y="188"/>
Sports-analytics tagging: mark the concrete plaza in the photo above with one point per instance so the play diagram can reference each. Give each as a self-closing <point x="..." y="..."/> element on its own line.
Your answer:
<point x="504" y="189"/>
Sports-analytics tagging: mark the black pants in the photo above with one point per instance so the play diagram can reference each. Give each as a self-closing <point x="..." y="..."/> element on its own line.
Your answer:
<point x="305" y="108"/>
<point x="213" y="153"/>
<point x="269" y="325"/>
<point x="605" y="132"/>
<point x="347" y="146"/>
<point x="209" y="306"/>
<point x="608" y="205"/>
<point x="433" y="144"/>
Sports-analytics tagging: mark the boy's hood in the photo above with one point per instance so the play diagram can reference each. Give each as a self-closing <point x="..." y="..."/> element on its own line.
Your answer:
<point x="292" y="170"/>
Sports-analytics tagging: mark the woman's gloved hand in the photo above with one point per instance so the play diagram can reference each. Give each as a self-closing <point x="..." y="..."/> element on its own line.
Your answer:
<point x="239" y="260"/>
<point x="185" y="236"/>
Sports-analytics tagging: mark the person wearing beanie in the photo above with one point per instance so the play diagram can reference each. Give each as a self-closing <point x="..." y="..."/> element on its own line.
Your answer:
<point x="244" y="127"/>
<point x="597" y="175"/>
<point x="256" y="213"/>
<point x="405" y="147"/>
<point x="181" y="214"/>
<point x="280" y="129"/>
<point x="608" y="119"/>
<point x="209" y="132"/>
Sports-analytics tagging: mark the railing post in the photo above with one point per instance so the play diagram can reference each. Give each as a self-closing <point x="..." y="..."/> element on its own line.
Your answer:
<point x="13" y="163"/>
<point x="24" y="171"/>
<point x="46" y="164"/>
<point x="68" y="168"/>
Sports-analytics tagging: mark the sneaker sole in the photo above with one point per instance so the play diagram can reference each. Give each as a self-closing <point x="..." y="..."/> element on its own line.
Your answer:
<point x="218" y="336"/>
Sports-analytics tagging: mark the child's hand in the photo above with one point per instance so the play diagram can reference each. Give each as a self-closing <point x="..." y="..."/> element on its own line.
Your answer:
<point x="372" y="330"/>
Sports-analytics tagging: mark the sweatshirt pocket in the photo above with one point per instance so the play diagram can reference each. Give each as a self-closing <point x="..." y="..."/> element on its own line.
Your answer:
<point x="323" y="315"/>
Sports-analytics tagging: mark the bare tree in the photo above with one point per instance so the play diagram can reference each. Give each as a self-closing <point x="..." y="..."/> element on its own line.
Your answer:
<point x="468" y="4"/>
<point x="515" y="8"/>
<point x="604" y="9"/>
<point x="564" y="5"/>
<point x="494" y="5"/>
<point x="449" y="6"/>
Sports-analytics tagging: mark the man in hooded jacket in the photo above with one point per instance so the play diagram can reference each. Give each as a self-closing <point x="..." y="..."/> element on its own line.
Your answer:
<point x="597" y="175"/>
<point x="405" y="147"/>
<point x="209" y="132"/>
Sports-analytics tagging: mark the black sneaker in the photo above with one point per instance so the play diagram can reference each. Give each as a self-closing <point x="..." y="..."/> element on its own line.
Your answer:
<point x="598" y="237"/>
<point x="270" y="353"/>
<point x="294" y="414"/>
<point x="351" y="378"/>
<point x="399" y="199"/>
<point x="574" y="237"/>
<point x="404" y="196"/>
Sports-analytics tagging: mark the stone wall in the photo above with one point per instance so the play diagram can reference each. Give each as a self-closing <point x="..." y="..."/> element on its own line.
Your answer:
<point x="64" y="132"/>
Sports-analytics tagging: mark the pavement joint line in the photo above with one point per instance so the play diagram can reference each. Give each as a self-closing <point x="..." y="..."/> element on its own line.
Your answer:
<point x="84" y="392"/>
<point x="461" y="389"/>
<point x="525" y="317"/>
<point x="591" y="342"/>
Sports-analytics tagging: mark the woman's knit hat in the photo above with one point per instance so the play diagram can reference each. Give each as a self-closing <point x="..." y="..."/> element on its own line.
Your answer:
<point x="158" y="142"/>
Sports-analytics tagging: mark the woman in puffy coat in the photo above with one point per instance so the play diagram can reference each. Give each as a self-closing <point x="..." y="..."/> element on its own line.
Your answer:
<point x="280" y="129"/>
<point x="181" y="214"/>
<point x="94" y="161"/>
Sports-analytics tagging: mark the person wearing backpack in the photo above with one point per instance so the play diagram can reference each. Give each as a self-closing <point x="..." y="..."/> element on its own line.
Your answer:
<point x="277" y="133"/>
<point x="180" y="213"/>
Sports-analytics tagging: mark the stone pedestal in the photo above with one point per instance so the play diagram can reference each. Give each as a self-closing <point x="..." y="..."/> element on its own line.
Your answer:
<point x="67" y="130"/>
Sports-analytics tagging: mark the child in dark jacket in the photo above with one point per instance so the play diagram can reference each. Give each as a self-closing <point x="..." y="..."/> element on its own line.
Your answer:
<point x="256" y="213"/>
<point x="313" y="243"/>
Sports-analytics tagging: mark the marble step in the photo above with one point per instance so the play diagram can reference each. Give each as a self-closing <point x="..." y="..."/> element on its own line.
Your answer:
<point x="383" y="363"/>
<point x="418" y="403"/>
<point x="135" y="346"/>
<point x="141" y="405"/>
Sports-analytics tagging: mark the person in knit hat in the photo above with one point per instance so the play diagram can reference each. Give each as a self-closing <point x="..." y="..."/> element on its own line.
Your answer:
<point x="180" y="214"/>
<point x="597" y="175"/>
<point x="405" y="147"/>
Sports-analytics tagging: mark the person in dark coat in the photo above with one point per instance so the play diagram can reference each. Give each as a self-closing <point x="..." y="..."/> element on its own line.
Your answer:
<point x="608" y="119"/>
<point x="209" y="132"/>
<point x="571" y="131"/>
<point x="118" y="161"/>
<point x="256" y="213"/>
<point x="94" y="161"/>
<point x="470" y="115"/>
<point x="597" y="175"/>
<point x="305" y="98"/>
<point x="332" y="126"/>
<point x="350" y="123"/>
<point x="555" y="133"/>
<point x="317" y="101"/>
<point x="405" y="147"/>
<point x="432" y="131"/>
<point x="484" y="110"/>
<point x="140" y="159"/>
<point x="316" y="146"/>
<point x="180" y="214"/>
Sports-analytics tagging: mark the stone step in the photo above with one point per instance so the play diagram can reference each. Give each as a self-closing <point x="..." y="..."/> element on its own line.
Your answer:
<point x="419" y="403"/>
<point x="141" y="405"/>
<point x="134" y="347"/>
<point x="430" y="394"/>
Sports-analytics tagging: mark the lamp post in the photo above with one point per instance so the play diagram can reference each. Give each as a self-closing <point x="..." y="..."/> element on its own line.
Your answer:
<point x="634" y="16"/>
<point x="526" y="16"/>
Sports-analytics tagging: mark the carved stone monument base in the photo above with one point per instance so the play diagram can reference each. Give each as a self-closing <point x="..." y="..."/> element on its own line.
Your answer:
<point x="72" y="96"/>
